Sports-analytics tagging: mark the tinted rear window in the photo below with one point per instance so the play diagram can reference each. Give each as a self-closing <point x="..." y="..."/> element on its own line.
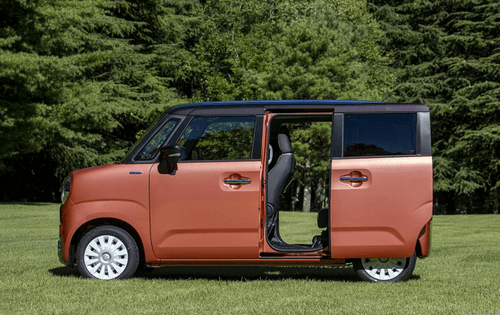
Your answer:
<point x="379" y="134"/>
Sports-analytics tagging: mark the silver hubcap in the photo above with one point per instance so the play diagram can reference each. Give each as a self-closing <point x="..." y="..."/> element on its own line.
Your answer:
<point x="106" y="257"/>
<point x="384" y="268"/>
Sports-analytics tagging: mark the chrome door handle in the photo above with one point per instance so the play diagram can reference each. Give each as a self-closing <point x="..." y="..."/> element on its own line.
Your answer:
<point x="237" y="181"/>
<point x="353" y="179"/>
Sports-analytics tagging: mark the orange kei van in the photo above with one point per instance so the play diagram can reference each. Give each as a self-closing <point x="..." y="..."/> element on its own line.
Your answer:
<point x="207" y="182"/>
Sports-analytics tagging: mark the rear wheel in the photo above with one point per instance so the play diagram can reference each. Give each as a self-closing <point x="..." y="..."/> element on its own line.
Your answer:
<point x="107" y="252"/>
<point x="385" y="269"/>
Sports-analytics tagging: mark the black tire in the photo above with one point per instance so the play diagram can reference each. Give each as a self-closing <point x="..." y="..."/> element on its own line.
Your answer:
<point x="107" y="252"/>
<point x="385" y="269"/>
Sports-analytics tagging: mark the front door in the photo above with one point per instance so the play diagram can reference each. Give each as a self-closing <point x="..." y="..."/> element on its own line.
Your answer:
<point x="210" y="209"/>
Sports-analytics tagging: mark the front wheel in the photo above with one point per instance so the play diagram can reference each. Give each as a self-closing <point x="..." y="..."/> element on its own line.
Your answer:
<point x="385" y="269"/>
<point x="107" y="252"/>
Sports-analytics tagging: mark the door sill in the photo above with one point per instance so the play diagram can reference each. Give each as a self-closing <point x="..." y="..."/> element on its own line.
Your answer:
<point x="293" y="248"/>
<point x="292" y="256"/>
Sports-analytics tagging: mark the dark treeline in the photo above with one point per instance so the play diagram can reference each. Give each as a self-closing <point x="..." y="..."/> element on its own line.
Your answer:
<point x="446" y="54"/>
<point x="80" y="80"/>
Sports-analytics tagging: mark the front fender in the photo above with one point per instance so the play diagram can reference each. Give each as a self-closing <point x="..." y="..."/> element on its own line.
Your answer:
<point x="130" y="212"/>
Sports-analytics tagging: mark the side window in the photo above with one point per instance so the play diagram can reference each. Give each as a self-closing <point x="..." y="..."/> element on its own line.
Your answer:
<point x="218" y="138"/>
<point x="150" y="149"/>
<point x="379" y="134"/>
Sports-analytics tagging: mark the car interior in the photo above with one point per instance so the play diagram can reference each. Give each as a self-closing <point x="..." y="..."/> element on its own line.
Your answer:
<point x="280" y="173"/>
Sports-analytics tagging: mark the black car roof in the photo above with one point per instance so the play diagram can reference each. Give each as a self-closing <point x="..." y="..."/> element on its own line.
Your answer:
<point x="260" y="107"/>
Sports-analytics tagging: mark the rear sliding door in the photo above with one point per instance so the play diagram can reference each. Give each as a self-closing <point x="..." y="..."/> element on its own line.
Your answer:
<point x="381" y="183"/>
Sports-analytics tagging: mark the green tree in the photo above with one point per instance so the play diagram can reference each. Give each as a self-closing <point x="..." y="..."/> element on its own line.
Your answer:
<point x="291" y="50"/>
<point x="311" y="144"/>
<point x="78" y="81"/>
<point x="447" y="56"/>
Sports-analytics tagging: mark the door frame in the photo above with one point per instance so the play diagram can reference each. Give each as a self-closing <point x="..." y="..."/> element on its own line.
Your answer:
<point x="267" y="249"/>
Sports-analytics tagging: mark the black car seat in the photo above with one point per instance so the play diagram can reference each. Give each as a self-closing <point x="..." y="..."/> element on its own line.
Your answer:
<point x="277" y="180"/>
<point x="321" y="241"/>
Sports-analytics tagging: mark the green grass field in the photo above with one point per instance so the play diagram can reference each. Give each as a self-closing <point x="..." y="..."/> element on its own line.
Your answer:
<point x="462" y="276"/>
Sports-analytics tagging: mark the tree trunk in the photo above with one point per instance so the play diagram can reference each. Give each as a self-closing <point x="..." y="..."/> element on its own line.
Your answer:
<point x="306" y="202"/>
<point x="322" y="194"/>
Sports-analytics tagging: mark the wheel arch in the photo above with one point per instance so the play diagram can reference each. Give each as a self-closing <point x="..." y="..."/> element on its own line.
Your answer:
<point x="92" y="224"/>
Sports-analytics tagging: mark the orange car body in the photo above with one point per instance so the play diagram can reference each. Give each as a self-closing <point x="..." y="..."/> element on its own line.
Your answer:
<point x="198" y="217"/>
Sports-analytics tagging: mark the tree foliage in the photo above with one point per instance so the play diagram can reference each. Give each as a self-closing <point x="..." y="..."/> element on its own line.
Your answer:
<point x="291" y="50"/>
<point x="80" y="80"/>
<point x="447" y="55"/>
<point x="311" y="144"/>
<point x="77" y="81"/>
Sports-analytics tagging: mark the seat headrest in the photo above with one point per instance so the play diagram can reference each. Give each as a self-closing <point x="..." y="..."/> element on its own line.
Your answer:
<point x="284" y="140"/>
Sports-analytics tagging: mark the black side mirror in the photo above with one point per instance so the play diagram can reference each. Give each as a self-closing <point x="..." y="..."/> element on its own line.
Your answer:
<point x="169" y="156"/>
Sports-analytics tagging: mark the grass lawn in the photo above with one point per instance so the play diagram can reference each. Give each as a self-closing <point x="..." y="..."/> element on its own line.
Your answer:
<point x="462" y="276"/>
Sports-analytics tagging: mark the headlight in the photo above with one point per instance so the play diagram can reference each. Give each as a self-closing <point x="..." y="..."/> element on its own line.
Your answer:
<point x="65" y="188"/>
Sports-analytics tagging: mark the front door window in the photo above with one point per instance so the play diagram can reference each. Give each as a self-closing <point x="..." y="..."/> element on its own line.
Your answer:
<point x="218" y="138"/>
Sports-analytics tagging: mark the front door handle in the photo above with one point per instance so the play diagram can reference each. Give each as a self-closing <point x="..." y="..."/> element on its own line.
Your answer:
<point x="237" y="181"/>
